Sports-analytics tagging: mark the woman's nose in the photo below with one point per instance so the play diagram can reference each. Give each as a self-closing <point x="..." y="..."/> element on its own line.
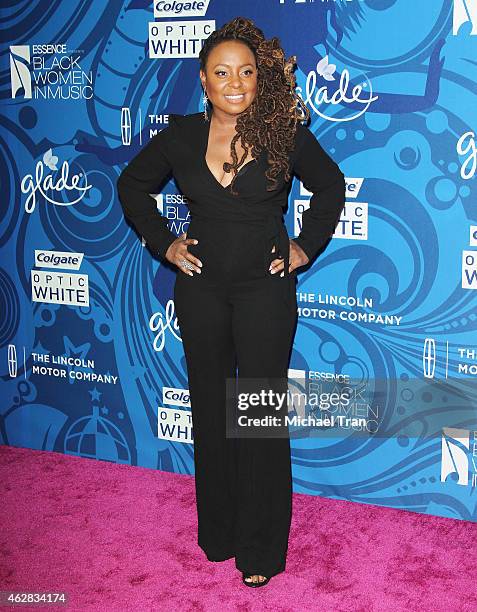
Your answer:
<point x="235" y="80"/>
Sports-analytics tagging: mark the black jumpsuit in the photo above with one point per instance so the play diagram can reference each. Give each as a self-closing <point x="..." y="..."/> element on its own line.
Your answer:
<point x="234" y="317"/>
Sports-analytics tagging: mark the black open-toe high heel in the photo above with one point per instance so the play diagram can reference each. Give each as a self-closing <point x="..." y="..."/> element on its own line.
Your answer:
<point x="254" y="584"/>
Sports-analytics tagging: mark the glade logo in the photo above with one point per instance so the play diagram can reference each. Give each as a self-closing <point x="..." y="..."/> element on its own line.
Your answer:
<point x="157" y="324"/>
<point x="49" y="72"/>
<point x="466" y="146"/>
<point x="464" y="11"/>
<point x="43" y="184"/>
<point x="164" y="8"/>
<point x="319" y="97"/>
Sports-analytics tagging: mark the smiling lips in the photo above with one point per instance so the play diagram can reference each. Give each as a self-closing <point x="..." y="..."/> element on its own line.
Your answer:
<point x="235" y="97"/>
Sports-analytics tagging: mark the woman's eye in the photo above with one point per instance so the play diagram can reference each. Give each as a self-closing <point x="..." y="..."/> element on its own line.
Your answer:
<point x="220" y="72"/>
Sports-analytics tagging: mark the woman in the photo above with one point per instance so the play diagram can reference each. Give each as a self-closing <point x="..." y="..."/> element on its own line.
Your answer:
<point x="234" y="293"/>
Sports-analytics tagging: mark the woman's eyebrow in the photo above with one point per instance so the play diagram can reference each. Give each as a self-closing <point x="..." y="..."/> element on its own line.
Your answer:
<point x="228" y="65"/>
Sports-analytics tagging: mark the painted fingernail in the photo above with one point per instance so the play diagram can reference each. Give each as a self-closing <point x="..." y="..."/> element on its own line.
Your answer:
<point x="282" y="274"/>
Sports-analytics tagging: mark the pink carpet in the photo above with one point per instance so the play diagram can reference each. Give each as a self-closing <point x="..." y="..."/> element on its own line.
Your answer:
<point x="124" y="538"/>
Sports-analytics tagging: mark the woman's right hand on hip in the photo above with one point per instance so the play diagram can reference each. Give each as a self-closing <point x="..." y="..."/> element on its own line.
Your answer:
<point x="178" y="254"/>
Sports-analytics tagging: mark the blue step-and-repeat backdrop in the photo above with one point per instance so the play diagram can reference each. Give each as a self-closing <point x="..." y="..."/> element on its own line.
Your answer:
<point x="91" y="358"/>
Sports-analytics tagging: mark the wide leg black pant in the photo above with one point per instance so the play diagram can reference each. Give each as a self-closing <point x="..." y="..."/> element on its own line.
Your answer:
<point x="237" y="324"/>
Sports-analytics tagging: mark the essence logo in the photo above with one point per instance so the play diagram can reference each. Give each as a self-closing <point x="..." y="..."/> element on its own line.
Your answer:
<point x="458" y="455"/>
<point x="44" y="182"/>
<point x="464" y="11"/>
<point x="49" y="72"/>
<point x="19" y="71"/>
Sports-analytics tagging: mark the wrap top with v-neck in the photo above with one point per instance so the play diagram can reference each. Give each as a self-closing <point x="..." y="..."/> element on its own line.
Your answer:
<point x="180" y="149"/>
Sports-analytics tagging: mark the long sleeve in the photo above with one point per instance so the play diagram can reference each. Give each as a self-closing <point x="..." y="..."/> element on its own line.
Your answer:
<point x="142" y="176"/>
<point x="323" y="177"/>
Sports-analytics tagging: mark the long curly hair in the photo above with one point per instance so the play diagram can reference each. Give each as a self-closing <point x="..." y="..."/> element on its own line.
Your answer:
<point x="270" y="121"/>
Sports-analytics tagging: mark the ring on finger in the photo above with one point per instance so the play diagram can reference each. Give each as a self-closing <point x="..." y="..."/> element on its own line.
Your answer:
<point x="187" y="264"/>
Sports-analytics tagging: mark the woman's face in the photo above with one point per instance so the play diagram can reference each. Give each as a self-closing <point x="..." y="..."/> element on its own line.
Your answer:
<point x="230" y="80"/>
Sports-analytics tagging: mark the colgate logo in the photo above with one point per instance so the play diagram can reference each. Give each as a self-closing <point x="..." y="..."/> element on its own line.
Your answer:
<point x="165" y="8"/>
